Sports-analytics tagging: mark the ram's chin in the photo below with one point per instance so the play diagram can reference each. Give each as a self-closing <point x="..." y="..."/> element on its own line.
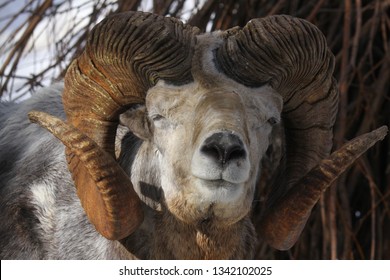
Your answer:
<point x="216" y="202"/>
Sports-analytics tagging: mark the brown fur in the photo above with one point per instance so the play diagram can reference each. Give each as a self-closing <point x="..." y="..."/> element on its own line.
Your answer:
<point x="175" y="239"/>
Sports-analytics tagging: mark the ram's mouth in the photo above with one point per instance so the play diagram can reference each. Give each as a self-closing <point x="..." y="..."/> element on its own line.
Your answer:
<point x="231" y="174"/>
<point x="219" y="191"/>
<point x="221" y="182"/>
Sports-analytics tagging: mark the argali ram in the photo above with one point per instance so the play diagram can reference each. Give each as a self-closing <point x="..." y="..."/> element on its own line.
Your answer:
<point x="162" y="130"/>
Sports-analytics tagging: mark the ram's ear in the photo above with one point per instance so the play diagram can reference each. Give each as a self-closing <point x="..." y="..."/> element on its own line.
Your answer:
<point x="136" y="120"/>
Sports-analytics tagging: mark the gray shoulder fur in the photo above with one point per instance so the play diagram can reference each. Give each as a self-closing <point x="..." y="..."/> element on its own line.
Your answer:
<point x="40" y="214"/>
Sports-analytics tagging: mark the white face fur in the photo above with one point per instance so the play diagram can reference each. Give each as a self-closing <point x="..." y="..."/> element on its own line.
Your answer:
<point x="177" y="123"/>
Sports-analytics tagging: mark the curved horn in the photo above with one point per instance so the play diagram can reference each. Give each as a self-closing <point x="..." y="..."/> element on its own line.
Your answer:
<point x="110" y="210"/>
<point x="124" y="56"/>
<point x="285" y="220"/>
<point x="291" y="55"/>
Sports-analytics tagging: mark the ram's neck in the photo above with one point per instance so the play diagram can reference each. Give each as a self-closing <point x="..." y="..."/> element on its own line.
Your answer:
<point x="175" y="240"/>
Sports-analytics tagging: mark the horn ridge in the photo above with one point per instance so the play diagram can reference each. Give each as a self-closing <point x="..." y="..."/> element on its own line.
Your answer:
<point x="291" y="55"/>
<point x="125" y="54"/>
<point x="284" y="221"/>
<point x="111" y="218"/>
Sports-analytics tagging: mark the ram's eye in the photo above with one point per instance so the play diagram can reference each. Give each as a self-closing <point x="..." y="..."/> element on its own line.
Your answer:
<point x="273" y="121"/>
<point x="157" y="117"/>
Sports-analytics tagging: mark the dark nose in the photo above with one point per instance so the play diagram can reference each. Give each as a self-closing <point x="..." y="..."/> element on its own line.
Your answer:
<point x="223" y="147"/>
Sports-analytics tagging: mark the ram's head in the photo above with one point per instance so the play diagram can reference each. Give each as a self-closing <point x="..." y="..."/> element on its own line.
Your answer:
<point x="207" y="104"/>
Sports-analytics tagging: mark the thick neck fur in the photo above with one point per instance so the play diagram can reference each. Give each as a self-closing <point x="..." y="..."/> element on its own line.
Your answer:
<point x="169" y="238"/>
<point x="174" y="239"/>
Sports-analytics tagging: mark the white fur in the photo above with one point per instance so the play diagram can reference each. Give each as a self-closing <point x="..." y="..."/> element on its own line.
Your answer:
<point x="190" y="181"/>
<point x="43" y="198"/>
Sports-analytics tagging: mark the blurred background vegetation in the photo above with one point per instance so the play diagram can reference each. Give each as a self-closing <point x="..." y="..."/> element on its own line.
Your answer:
<point x="39" y="38"/>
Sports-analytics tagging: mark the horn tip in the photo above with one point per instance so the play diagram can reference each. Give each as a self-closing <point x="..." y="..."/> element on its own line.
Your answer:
<point x="34" y="116"/>
<point x="381" y="132"/>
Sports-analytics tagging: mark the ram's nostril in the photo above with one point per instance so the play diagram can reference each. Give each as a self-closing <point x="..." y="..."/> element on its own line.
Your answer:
<point x="212" y="151"/>
<point x="223" y="147"/>
<point x="236" y="152"/>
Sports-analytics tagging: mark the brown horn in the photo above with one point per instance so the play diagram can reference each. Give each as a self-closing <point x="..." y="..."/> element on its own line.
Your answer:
<point x="94" y="159"/>
<point x="125" y="55"/>
<point x="284" y="222"/>
<point x="290" y="55"/>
